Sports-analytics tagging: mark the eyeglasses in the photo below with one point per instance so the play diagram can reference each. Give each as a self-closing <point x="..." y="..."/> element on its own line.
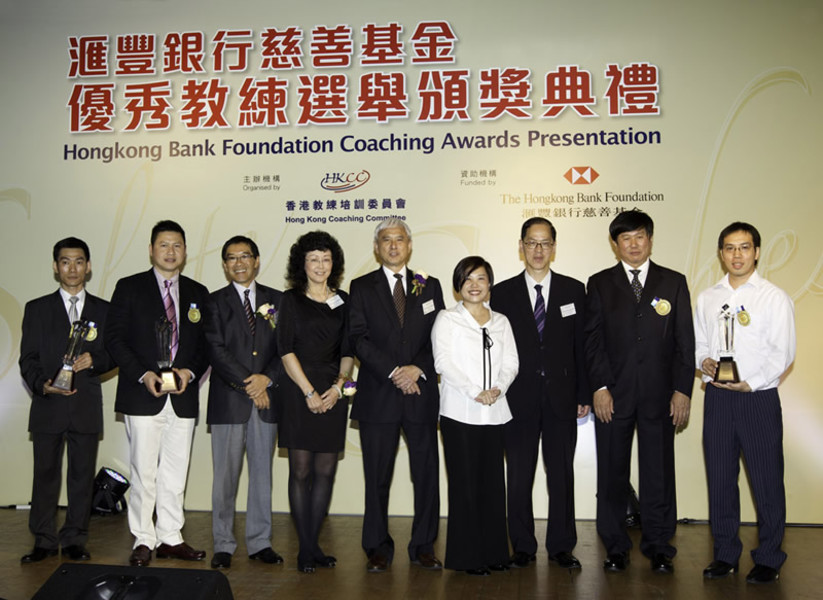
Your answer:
<point x="233" y="258"/>
<point x="532" y="244"/>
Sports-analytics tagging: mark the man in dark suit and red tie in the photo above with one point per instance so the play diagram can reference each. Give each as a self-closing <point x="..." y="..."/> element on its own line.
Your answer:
<point x="244" y="359"/>
<point x="639" y="350"/>
<point x="159" y="424"/>
<point x="391" y="313"/>
<point x="64" y="417"/>
<point x="546" y="311"/>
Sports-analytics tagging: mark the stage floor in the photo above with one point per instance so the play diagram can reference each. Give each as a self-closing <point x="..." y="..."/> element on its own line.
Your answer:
<point x="110" y="543"/>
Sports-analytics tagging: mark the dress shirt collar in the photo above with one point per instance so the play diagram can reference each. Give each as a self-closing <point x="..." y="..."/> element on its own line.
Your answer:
<point x="644" y="271"/>
<point x="241" y="291"/>
<point x="754" y="280"/>
<point x="161" y="280"/>
<point x="390" y="276"/>
<point x="467" y="316"/>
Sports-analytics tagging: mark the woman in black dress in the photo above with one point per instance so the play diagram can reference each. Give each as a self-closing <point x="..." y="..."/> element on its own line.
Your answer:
<point x="311" y="340"/>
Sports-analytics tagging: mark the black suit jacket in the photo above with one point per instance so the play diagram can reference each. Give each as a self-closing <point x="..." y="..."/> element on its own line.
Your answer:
<point x="555" y="368"/>
<point x="381" y="344"/>
<point x="45" y="336"/>
<point x="130" y="337"/>
<point x="235" y="354"/>
<point x="640" y="355"/>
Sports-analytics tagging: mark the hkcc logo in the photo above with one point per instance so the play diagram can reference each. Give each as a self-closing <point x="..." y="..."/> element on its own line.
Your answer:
<point x="344" y="182"/>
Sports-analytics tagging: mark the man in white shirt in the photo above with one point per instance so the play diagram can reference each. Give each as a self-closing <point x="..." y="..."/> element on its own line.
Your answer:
<point x="745" y="416"/>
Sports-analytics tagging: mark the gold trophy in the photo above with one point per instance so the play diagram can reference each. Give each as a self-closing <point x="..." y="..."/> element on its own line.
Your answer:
<point x="726" y="367"/>
<point x="169" y="381"/>
<point x="64" y="379"/>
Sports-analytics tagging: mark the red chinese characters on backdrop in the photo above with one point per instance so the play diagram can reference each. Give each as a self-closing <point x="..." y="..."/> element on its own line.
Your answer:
<point x="382" y="45"/>
<point x="382" y="97"/>
<point x="234" y="44"/>
<point x="148" y="104"/>
<point x="444" y="95"/>
<point x="331" y="47"/>
<point x="505" y="91"/>
<point x="263" y="102"/>
<point x="322" y="99"/>
<point x="569" y="86"/>
<point x="135" y="55"/>
<point x="205" y="102"/>
<point x="281" y="49"/>
<point x="92" y="107"/>
<point x="390" y="60"/>
<point x="633" y="90"/>
<point x="184" y="52"/>
<point x="89" y="56"/>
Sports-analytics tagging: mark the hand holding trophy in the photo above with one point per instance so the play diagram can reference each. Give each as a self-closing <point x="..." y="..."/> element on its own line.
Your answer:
<point x="80" y="331"/>
<point x="169" y="380"/>
<point x="726" y="367"/>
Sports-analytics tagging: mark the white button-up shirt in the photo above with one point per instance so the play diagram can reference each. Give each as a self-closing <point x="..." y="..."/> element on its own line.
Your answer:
<point x="765" y="348"/>
<point x="457" y="342"/>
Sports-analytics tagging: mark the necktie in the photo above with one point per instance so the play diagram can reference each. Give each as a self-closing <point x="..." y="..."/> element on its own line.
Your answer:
<point x="73" y="316"/>
<point x="539" y="311"/>
<point x="637" y="287"/>
<point x="399" y="297"/>
<point x="171" y="315"/>
<point x="249" y="311"/>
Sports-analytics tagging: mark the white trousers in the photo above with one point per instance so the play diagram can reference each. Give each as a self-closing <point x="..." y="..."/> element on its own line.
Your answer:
<point x="159" y="451"/>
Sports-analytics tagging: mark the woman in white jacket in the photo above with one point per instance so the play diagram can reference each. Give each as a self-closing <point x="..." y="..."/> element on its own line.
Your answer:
<point x="476" y="356"/>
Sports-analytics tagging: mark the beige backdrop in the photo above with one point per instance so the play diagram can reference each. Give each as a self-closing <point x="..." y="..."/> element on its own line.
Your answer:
<point x="740" y="128"/>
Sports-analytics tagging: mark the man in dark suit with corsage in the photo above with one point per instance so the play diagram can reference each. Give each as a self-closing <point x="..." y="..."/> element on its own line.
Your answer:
<point x="245" y="363"/>
<point x="391" y="314"/>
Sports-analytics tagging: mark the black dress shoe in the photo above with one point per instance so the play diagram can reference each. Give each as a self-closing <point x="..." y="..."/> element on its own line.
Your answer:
<point x="140" y="556"/>
<point x="662" y="564"/>
<point x="305" y="566"/>
<point x="482" y="571"/>
<point x="268" y="556"/>
<point x="719" y="569"/>
<point x="567" y="560"/>
<point x="326" y="561"/>
<point x="616" y="562"/>
<point x="521" y="559"/>
<point x="762" y="574"/>
<point x="377" y="564"/>
<point x="76" y="552"/>
<point x="498" y="567"/>
<point x="38" y="554"/>
<point x="181" y="551"/>
<point x="221" y="560"/>
<point x="428" y="561"/>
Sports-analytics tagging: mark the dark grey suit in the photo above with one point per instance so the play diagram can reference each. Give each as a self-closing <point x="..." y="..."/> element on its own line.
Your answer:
<point x="236" y="425"/>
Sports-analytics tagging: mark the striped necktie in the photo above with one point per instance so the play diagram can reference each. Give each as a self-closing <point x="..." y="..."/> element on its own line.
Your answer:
<point x="249" y="311"/>
<point x="171" y="315"/>
<point x="539" y="311"/>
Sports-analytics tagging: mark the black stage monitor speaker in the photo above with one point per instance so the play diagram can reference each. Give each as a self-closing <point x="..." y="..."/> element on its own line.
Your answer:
<point x="107" y="582"/>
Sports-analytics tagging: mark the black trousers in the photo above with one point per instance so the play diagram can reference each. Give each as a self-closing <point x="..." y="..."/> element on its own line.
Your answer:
<point x="658" y="500"/>
<point x="751" y="424"/>
<point x="45" y="493"/>
<point x="379" y="443"/>
<point x="476" y="534"/>
<point x="522" y="439"/>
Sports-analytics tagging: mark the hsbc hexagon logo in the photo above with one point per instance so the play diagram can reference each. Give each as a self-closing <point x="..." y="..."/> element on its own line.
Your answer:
<point x="581" y="175"/>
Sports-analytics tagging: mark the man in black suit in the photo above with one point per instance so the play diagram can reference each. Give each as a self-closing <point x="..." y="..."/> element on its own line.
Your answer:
<point x="61" y="417"/>
<point x="159" y="425"/>
<point x="639" y="349"/>
<point x="245" y="362"/>
<point x="550" y="393"/>
<point x="391" y="315"/>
